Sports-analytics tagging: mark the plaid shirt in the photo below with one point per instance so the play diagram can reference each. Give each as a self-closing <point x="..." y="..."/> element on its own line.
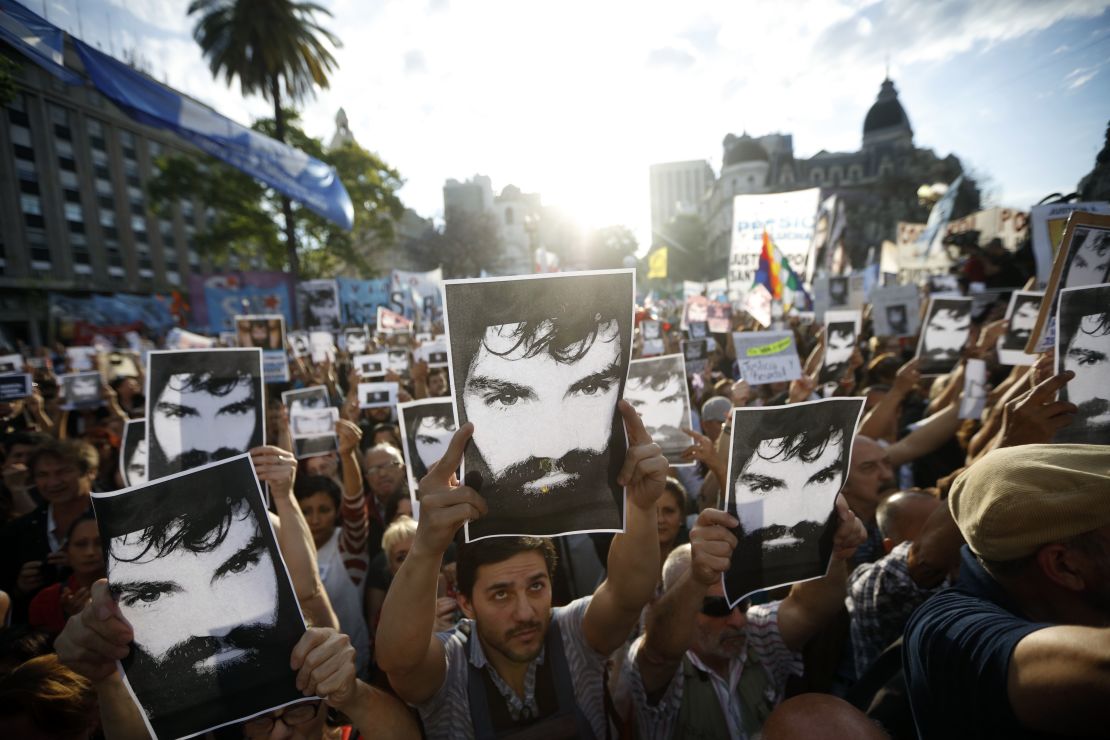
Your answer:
<point x="881" y="598"/>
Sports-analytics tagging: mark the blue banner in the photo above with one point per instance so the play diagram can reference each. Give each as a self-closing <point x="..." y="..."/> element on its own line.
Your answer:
<point x="116" y="310"/>
<point x="36" y="38"/>
<point x="289" y="171"/>
<point x="225" y="302"/>
<point x="360" y="300"/>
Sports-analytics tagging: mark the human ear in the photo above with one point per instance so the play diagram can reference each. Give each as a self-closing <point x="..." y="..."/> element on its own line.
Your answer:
<point x="466" y="605"/>
<point x="1063" y="566"/>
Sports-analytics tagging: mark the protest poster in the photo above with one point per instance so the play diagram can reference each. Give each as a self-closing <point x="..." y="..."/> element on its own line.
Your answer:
<point x="651" y="333"/>
<point x="299" y="345"/>
<point x="11" y="363"/>
<point x="132" y="458"/>
<point x="758" y="303"/>
<point x="218" y="299"/>
<point x="80" y="390"/>
<point x="1082" y="259"/>
<point x="433" y="352"/>
<point x="371" y="366"/>
<point x="838" y="293"/>
<point x="828" y="233"/>
<point x="354" y="340"/>
<point x="391" y="322"/>
<point x="313" y="430"/>
<point x="190" y="556"/>
<point x="946" y="330"/>
<point x="202" y="405"/>
<point x="697" y="330"/>
<point x="766" y="356"/>
<point x="657" y="389"/>
<point x="181" y="339"/>
<point x="528" y="353"/>
<point x="719" y="317"/>
<point x="787" y="217"/>
<point x="15" y="386"/>
<point x="696" y="310"/>
<point x="397" y="360"/>
<point x="1083" y="347"/>
<point x="786" y="465"/>
<point x="974" y="396"/>
<point x="266" y="332"/>
<point x="1021" y="314"/>
<point x="321" y="347"/>
<point x="416" y="294"/>
<point x="313" y="397"/>
<point x="915" y="267"/>
<point x="318" y="305"/>
<point x="1047" y="223"/>
<point x="896" y="310"/>
<point x="841" y="334"/>
<point x="81" y="359"/>
<point x="426" y="426"/>
<point x="360" y="299"/>
<point x="696" y="354"/>
<point x="377" y="395"/>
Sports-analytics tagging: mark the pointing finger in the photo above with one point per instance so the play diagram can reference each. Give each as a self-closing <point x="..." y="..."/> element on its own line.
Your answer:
<point x="442" y="471"/>
<point x="633" y="424"/>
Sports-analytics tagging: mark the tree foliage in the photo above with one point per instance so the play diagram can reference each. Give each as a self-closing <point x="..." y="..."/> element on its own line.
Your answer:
<point x="242" y="211"/>
<point x="467" y="244"/>
<point x="607" y="247"/>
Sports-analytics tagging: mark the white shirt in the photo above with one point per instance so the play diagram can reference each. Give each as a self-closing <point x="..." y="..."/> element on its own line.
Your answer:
<point x="345" y="597"/>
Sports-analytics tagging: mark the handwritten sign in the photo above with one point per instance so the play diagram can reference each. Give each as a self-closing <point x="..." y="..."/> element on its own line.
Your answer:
<point x="767" y="357"/>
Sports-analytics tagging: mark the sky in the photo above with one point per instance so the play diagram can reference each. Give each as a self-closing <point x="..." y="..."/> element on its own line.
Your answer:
<point x="574" y="100"/>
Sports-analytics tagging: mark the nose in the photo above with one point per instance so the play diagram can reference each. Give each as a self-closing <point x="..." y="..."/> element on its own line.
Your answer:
<point x="738" y="618"/>
<point x="523" y="610"/>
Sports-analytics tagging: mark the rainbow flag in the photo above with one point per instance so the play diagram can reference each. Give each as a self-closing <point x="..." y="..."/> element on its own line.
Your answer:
<point x="775" y="275"/>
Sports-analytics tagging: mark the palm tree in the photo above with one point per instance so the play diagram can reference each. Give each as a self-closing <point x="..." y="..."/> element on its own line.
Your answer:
<point x="270" y="45"/>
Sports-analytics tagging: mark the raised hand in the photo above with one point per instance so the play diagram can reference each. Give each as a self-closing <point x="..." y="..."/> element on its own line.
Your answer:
<point x="324" y="660"/>
<point x="349" y="434"/>
<point x="850" y="532"/>
<point x="445" y="505"/>
<point x="97" y="637"/>
<point x="711" y="546"/>
<point x="644" y="472"/>
<point x="1035" y="416"/>
<point x="275" y="466"/>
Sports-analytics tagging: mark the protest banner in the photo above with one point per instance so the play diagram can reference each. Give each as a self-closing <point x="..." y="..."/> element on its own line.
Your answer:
<point x="787" y="217"/>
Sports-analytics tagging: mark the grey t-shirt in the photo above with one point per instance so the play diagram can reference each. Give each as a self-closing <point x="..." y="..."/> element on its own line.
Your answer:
<point x="447" y="713"/>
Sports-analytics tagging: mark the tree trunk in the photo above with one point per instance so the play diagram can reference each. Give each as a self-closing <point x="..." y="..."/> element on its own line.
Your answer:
<point x="286" y="205"/>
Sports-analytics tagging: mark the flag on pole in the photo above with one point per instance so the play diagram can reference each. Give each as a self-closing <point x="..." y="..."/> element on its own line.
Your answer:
<point x="776" y="275"/>
<point x="657" y="264"/>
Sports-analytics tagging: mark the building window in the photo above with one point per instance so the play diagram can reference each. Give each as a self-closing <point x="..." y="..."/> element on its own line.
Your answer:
<point x="73" y="212"/>
<point x="21" y="136"/>
<point x="30" y="204"/>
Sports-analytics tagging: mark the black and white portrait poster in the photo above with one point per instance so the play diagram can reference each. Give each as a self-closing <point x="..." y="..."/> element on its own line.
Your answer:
<point x="14" y="386"/>
<point x="656" y="388"/>
<point x="313" y="397"/>
<point x="698" y="329"/>
<point x="841" y="331"/>
<point x="195" y="568"/>
<point x="377" y="395"/>
<point x="426" y="429"/>
<point x="201" y="406"/>
<point x="132" y="461"/>
<point x="391" y="322"/>
<point x="1083" y="346"/>
<point x="974" y="396"/>
<point x="433" y="352"/>
<point x="785" y="467"/>
<point x="318" y="304"/>
<point x="1082" y="260"/>
<point x="837" y="293"/>
<point x="766" y="356"/>
<point x="11" y="364"/>
<point x="398" y="360"/>
<point x="114" y="365"/>
<point x="652" y="336"/>
<point x="80" y="390"/>
<point x="896" y="310"/>
<point x="355" y="341"/>
<point x="81" y="359"/>
<point x="267" y="333"/>
<point x="947" y="327"/>
<point x="298" y="344"/>
<point x="719" y="317"/>
<point x="696" y="354"/>
<point x="1022" y="315"/>
<point x="313" y="431"/>
<point x="371" y="366"/>
<point x="528" y="354"/>
<point x="321" y="346"/>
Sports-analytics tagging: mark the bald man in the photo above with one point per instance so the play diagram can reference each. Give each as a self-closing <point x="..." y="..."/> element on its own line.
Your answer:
<point x="819" y="717"/>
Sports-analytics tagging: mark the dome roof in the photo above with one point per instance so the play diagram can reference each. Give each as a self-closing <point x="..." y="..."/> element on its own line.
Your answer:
<point x="887" y="112"/>
<point x="741" y="149"/>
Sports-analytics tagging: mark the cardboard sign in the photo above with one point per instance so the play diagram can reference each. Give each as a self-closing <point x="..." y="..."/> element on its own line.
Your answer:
<point x="767" y="356"/>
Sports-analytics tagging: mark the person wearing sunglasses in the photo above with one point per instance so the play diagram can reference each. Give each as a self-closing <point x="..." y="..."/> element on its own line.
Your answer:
<point x="716" y="671"/>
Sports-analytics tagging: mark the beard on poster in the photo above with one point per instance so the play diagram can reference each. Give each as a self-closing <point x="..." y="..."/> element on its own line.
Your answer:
<point x="943" y="336"/>
<point x="1083" y="347"/>
<point x="786" y="466"/>
<point x="427" y="426"/>
<point x="657" y="389"/>
<point x="528" y="353"/>
<point x="195" y="569"/>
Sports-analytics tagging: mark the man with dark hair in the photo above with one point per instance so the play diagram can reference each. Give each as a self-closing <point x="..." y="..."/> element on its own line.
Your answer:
<point x="1022" y="321"/>
<point x="1090" y="259"/>
<point x="197" y="578"/>
<point x="318" y="307"/>
<point x="134" y="453"/>
<point x="840" y="344"/>
<point x="657" y="390"/>
<point x="787" y="467"/>
<point x="516" y="665"/>
<point x="838" y="292"/>
<point x="1085" y="350"/>
<point x="944" y="335"/>
<point x="203" y="406"/>
<point x="31" y="551"/>
<point x="428" y="430"/>
<point x="1017" y="647"/>
<point x="533" y="355"/>
<point x="896" y="319"/>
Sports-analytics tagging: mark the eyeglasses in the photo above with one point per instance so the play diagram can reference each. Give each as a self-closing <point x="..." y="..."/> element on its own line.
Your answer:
<point x="375" y="469"/>
<point x="292" y="717"/>
<point x="718" y="608"/>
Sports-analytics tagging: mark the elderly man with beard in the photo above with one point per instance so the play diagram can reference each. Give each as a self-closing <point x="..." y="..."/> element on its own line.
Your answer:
<point x="516" y="665"/>
<point x="702" y="669"/>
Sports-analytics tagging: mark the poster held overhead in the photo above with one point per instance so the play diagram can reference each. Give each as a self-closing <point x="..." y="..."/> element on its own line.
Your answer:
<point x="426" y="429"/>
<point x="841" y="333"/>
<point x="786" y="466"/>
<point x="1083" y="346"/>
<point x="15" y="386"/>
<point x="974" y="396"/>
<point x="896" y="310"/>
<point x="1021" y="314"/>
<point x="371" y="366"/>
<point x="433" y="352"/>
<point x="377" y="395"/>
<point x="80" y="390"/>
<point x="318" y="305"/>
<point x="695" y="352"/>
<point x="944" y="334"/>
<point x="657" y="389"/>
<point x="201" y="406"/>
<point x="191" y="557"/>
<point x="767" y="356"/>
<point x="313" y="431"/>
<point x="1047" y="223"/>
<point x="528" y="354"/>
<point x="11" y="364"/>
<point x="132" y="459"/>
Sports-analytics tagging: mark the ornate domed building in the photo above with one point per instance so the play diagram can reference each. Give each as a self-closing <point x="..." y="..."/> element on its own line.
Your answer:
<point x="878" y="182"/>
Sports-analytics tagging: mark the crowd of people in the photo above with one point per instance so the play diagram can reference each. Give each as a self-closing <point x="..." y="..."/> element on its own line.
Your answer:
<point x="966" y="595"/>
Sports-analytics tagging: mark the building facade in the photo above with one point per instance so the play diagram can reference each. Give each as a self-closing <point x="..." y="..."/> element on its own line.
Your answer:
<point x="677" y="187"/>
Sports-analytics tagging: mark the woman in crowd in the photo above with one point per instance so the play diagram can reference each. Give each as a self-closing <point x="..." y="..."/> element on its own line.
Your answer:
<point x="52" y="606"/>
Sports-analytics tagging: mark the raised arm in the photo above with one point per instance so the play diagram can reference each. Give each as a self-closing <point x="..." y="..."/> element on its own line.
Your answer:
<point x="353" y="512"/>
<point x="933" y="432"/>
<point x="633" y="567"/>
<point x="1059" y="679"/>
<point x="406" y="646"/>
<point x="811" y="604"/>
<point x="884" y="416"/>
